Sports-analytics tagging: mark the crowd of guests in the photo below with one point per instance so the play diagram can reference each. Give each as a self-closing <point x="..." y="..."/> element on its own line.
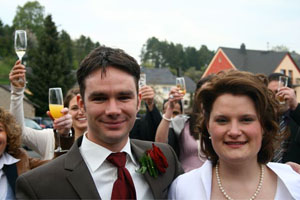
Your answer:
<point x="233" y="144"/>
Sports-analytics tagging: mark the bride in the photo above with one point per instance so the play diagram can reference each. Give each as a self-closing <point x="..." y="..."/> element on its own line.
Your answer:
<point x="239" y="128"/>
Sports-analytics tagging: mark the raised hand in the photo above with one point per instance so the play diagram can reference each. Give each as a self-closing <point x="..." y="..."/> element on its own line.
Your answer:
<point x="18" y="72"/>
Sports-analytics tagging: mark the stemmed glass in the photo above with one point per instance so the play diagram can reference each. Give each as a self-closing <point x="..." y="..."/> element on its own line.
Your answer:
<point x="180" y="83"/>
<point x="283" y="82"/>
<point x="142" y="81"/>
<point x="55" y="107"/>
<point x="20" y="43"/>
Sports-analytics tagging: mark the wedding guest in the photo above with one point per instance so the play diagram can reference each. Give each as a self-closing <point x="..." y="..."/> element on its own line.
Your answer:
<point x="177" y="107"/>
<point x="145" y="126"/>
<point x="103" y="162"/>
<point x="239" y="128"/>
<point x="179" y="131"/>
<point x="40" y="141"/>
<point x="13" y="160"/>
<point x="289" y="149"/>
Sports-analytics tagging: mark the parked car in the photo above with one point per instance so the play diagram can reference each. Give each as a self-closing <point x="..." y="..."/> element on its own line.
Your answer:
<point x="32" y="124"/>
<point x="44" y="122"/>
<point x="47" y="122"/>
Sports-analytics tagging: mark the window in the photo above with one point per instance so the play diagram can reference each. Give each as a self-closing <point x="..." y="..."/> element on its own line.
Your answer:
<point x="298" y="81"/>
<point x="282" y="71"/>
<point x="291" y="75"/>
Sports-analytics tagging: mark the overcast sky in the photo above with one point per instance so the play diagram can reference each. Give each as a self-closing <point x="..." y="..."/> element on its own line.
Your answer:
<point x="127" y="24"/>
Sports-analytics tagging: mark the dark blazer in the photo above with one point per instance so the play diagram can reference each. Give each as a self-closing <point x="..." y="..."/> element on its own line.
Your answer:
<point x="293" y="150"/>
<point x="145" y="127"/>
<point x="11" y="173"/>
<point x="68" y="177"/>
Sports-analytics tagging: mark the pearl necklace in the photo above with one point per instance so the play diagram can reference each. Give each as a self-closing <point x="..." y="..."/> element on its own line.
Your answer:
<point x="257" y="189"/>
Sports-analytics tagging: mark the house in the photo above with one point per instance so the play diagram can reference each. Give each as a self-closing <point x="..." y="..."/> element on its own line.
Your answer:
<point x="162" y="80"/>
<point x="29" y="110"/>
<point x="257" y="61"/>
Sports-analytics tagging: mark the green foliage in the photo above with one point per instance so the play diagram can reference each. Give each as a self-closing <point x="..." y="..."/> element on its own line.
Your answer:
<point x="50" y="66"/>
<point x="6" y="41"/>
<point x="280" y="48"/>
<point x="194" y="74"/>
<point x="29" y="17"/>
<point x="167" y="54"/>
<point x="5" y="66"/>
<point x="81" y="48"/>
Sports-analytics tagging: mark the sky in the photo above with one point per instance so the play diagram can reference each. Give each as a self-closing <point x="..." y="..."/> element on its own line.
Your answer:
<point x="127" y="24"/>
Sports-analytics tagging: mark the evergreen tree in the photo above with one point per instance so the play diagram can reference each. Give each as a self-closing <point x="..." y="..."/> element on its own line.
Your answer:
<point x="6" y="41"/>
<point x="50" y="67"/>
<point x="81" y="48"/>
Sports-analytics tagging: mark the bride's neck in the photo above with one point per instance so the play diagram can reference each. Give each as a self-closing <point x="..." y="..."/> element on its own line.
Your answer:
<point x="239" y="170"/>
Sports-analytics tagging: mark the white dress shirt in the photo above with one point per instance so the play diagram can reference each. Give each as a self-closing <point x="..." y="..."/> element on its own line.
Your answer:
<point x="5" y="159"/>
<point x="104" y="173"/>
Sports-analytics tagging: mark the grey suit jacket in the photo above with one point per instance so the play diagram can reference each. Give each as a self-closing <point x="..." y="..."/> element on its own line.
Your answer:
<point x="68" y="177"/>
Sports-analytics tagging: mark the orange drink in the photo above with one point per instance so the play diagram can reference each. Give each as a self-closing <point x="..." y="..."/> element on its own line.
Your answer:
<point x="55" y="110"/>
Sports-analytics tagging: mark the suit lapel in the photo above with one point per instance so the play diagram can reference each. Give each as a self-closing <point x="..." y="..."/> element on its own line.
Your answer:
<point x="80" y="177"/>
<point x="157" y="185"/>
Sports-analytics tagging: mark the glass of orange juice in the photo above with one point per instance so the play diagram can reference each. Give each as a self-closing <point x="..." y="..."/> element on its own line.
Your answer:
<point x="55" y="107"/>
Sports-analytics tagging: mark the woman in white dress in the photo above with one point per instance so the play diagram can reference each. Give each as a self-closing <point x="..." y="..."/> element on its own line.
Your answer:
<point x="239" y="129"/>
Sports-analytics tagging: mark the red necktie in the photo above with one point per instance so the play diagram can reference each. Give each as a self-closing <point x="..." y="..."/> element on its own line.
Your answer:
<point x="123" y="187"/>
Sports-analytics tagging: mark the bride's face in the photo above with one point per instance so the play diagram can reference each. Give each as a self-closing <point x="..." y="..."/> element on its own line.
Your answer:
<point x="235" y="129"/>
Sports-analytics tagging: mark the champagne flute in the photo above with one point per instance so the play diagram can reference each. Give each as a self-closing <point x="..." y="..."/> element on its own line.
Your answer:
<point x="20" y="46"/>
<point x="180" y="83"/>
<point x="283" y="82"/>
<point x="20" y="43"/>
<point x="55" y="107"/>
<point x="142" y="81"/>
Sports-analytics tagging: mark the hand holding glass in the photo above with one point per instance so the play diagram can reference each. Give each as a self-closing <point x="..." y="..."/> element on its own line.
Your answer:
<point x="283" y="82"/>
<point x="55" y="107"/>
<point x="20" y="43"/>
<point x="180" y="83"/>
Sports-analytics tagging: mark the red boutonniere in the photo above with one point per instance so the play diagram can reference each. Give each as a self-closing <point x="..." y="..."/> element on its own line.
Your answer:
<point x="154" y="161"/>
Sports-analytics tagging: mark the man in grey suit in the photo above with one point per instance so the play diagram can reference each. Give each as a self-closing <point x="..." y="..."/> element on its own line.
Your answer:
<point x="108" y="81"/>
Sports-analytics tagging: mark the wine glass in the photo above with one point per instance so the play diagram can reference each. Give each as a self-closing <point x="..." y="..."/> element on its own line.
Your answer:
<point x="142" y="81"/>
<point x="20" y="43"/>
<point x="55" y="107"/>
<point x="283" y="82"/>
<point x="180" y="83"/>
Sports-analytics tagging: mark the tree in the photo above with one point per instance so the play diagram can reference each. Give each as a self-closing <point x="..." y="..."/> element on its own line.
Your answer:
<point x="81" y="48"/>
<point x="194" y="74"/>
<point x="205" y="56"/>
<point x="280" y="48"/>
<point x="50" y="67"/>
<point x="152" y="52"/>
<point x="175" y="56"/>
<point x="30" y="17"/>
<point x="6" y="41"/>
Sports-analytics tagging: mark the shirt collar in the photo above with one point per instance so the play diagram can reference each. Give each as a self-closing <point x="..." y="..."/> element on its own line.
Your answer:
<point x="7" y="159"/>
<point x="95" y="154"/>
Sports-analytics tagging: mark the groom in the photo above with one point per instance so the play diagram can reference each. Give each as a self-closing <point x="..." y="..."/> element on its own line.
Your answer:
<point x="103" y="163"/>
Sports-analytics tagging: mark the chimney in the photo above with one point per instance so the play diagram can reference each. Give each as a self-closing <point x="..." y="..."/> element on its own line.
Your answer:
<point x="243" y="48"/>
